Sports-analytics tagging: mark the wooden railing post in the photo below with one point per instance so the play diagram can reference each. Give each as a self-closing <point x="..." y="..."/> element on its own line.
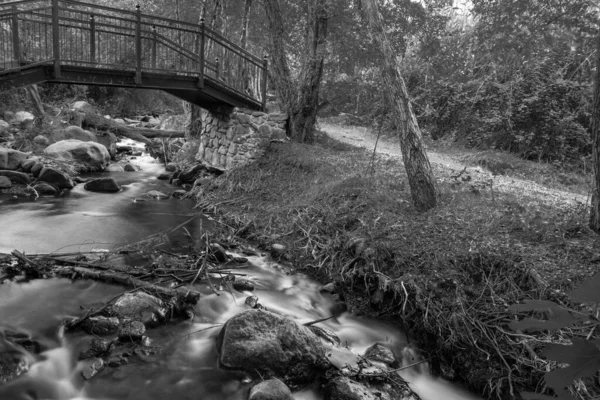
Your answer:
<point x="92" y="39"/>
<point x="201" y="66"/>
<point x="15" y="36"/>
<point x="56" y="38"/>
<point x="138" y="46"/>
<point x="217" y="67"/>
<point x="265" y="75"/>
<point x="154" y="47"/>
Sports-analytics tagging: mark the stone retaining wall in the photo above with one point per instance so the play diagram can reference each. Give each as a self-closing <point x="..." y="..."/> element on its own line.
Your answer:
<point x="228" y="141"/>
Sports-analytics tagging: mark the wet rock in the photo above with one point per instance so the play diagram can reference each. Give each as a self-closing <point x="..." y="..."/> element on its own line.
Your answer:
<point x="178" y="194"/>
<point x="175" y="182"/>
<point x="379" y="352"/>
<point x="108" y="185"/>
<point x="45" y="189"/>
<point x="190" y="174"/>
<point x="10" y="159"/>
<point x="37" y="168"/>
<point x="83" y="106"/>
<point x="165" y="176"/>
<point x="271" y="389"/>
<point x="239" y="260"/>
<point x="4" y="126"/>
<point x="79" y="179"/>
<point x="93" y="155"/>
<point x="77" y="133"/>
<point x="16" y="177"/>
<point x="277" y="249"/>
<point x="329" y="288"/>
<point x="5" y="183"/>
<point x="155" y="194"/>
<point x="98" y="348"/>
<point x="23" y="117"/>
<point x="123" y="148"/>
<point x="24" y="340"/>
<point x="109" y="140"/>
<point x="114" y="168"/>
<point x="26" y="165"/>
<point x="101" y="325"/>
<point x="252" y="301"/>
<point x="92" y="368"/>
<point x="131" y="331"/>
<point x="218" y="252"/>
<point x="243" y="285"/>
<point x="344" y="388"/>
<point x="117" y="360"/>
<point x="41" y="140"/>
<point x="129" y="168"/>
<point x="54" y="177"/>
<point x="171" y="167"/>
<point x="260" y="342"/>
<point x="326" y="334"/>
<point x="141" y="306"/>
<point x="12" y="365"/>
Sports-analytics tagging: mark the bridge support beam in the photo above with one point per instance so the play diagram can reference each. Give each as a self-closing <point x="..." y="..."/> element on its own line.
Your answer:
<point x="230" y="140"/>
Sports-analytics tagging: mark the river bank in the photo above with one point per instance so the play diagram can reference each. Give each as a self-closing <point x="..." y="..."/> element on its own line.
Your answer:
<point x="446" y="276"/>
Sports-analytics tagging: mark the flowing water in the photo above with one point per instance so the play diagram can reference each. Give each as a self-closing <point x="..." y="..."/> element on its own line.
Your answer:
<point x="184" y="362"/>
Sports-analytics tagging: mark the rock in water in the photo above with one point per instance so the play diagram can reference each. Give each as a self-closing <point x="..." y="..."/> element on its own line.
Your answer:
<point x="243" y="285"/>
<point x="141" y="306"/>
<point x="10" y="159"/>
<point x="45" y="189"/>
<point x="54" y="177"/>
<point x="131" y="331"/>
<point x="101" y="325"/>
<point x="260" y="342"/>
<point x="343" y="388"/>
<point x="157" y="195"/>
<point x="378" y="352"/>
<point x="271" y="389"/>
<point x="93" y="155"/>
<point x="102" y="185"/>
<point x="114" y="168"/>
<point x="5" y="183"/>
<point x="16" y="177"/>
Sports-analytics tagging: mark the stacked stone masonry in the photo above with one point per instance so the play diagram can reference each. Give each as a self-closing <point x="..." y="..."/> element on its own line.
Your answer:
<point x="228" y="141"/>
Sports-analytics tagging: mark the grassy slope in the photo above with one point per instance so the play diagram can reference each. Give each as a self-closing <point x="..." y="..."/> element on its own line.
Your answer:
<point x="447" y="275"/>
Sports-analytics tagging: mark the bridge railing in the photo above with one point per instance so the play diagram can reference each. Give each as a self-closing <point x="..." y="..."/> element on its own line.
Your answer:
<point x="73" y="33"/>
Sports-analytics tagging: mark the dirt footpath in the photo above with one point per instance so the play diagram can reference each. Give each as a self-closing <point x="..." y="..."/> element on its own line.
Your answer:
<point x="446" y="166"/>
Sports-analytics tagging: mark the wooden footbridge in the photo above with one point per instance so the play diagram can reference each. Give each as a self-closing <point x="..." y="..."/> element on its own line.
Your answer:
<point x="65" y="41"/>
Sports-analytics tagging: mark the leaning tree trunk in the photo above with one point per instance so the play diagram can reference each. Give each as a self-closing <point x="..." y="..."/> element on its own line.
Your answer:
<point x="300" y="100"/>
<point x="595" y="208"/>
<point x="418" y="168"/>
<point x="36" y="101"/>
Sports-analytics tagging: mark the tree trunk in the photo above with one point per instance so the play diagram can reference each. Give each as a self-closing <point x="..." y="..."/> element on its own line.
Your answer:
<point x="245" y="22"/>
<point x="418" y="168"/>
<point x="36" y="101"/>
<point x="595" y="208"/>
<point x="299" y="99"/>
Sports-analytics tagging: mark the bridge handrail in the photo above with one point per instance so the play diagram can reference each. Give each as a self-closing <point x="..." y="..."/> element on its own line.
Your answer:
<point x="231" y="67"/>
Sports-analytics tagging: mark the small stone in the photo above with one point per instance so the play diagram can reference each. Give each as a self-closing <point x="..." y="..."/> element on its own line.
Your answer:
<point x="93" y="368"/>
<point x="129" y="168"/>
<point x="171" y="167"/>
<point x="239" y="260"/>
<point x="157" y="195"/>
<point x="252" y="301"/>
<point x="24" y="116"/>
<point x="41" y="140"/>
<point x="114" y="168"/>
<point x="218" y="252"/>
<point x="165" y="176"/>
<point x="98" y="348"/>
<point x="37" y="168"/>
<point x="271" y="389"/>
<point x="117" y="361"/>
<point x="26" y="165"/>
<point x="131" y="331"/>
<point x="55" y="177"/>
<point x="108" y="185"/>
<point x="243" y="285"/>
<point x="101" y="325"/>
<point x="178" y="194"/>
<point x="379" y="352"/>
<point x="277" y="249"/>
<point x="5" y="183"/>
<point x="329" y="288"/>
<point x="45" y="189"/>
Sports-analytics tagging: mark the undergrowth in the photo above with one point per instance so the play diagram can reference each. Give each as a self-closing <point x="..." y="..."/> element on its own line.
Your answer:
<point x="446" y="276"/>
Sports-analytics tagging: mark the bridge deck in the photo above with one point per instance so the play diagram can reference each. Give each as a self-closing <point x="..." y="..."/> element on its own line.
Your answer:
<point x="67" y="41"/>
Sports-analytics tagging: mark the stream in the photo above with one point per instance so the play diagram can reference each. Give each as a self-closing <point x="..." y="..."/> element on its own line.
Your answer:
<point x="183" y="363"/>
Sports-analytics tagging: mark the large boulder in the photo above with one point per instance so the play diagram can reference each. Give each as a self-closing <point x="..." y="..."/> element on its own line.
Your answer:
<point x="102" y="185"/>
<point x="271" y="389"/>
<point x="109" y="140"/>
<point x="77" y="133"/>
<point x="10" y="159"/>
<point x="16" y="177"/>
<point x="260" y="342"/>
<point x="56" y="178"/>
<point x="142" y="307"/>
<point x="94" y="155"/>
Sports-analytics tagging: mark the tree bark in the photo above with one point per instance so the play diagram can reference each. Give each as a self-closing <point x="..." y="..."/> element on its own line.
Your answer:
<point x="416" y="162"/>
<point x="595" y="207"/>
<point x="299" y="99"/>
<point x="245" y="22"/>
<point x="36" y="100"/>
